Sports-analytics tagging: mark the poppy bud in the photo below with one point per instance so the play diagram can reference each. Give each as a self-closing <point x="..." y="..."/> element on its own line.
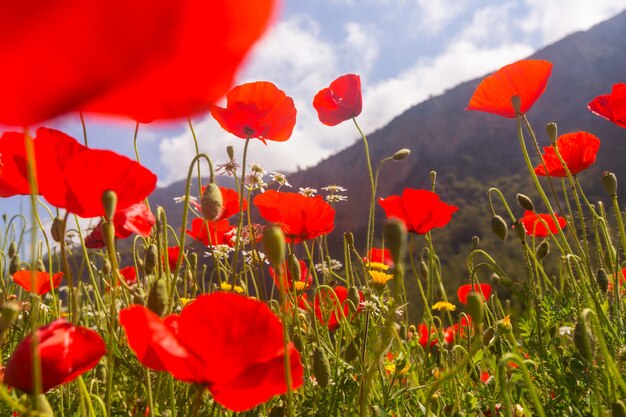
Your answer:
<point x="138" y="297"/>
<point x="476" y="308"/>
<point x="106" y="266"/>
<point x="505" y="281"/>
<point x="395" y="238"/>
<point x="150" y="259"/>
<point x="618" y="409"/>
<point x="520" y="230"/>
<point x="157" y="297"/>
<point x="401" y="154"/>
<point x="516" y="102"/>
<point x="349" y="238"/>
<point x="108" y="232"/>
<point x="433" y="177"/>
<point x="552" y="132"/>
<point x="475" y="241"/>
<point x="297" y="342"/>
<point x="15" y="264"/>
<point x="12" y="250"/>
<point x="211" y="202"/>
<point x="56" y="230"/>
<point x="294" y="267"/>
<point x="424" y="270"/>
<point x="504" y="326"/>
<point x="40" y="266"/>
<point x="354" y="297"/>
<point x="274" y="245"/>
<point x="231" y="152"/>
<point x="602" y="280"/>
<point x="499" y="227"/>
<point x="543" y="249"/>
<point x="584" y="340"/>
<point x="352" y="352"/>
<point x="321" y="367"/>
<point x="109" y="202"/>
<point x="609" y="181"/>
<point x="525" y="202"/>
<point x="8" y="313"/>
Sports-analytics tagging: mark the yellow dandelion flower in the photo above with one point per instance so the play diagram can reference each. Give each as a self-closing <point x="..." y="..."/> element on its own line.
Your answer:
<point x="185" y="301"/>
<point x="299" y="286"/>
<point x="378" y="266"/>
<point x="444" y="306"/>
<point x="225" y="286"/>
<point x="380" y="278"/>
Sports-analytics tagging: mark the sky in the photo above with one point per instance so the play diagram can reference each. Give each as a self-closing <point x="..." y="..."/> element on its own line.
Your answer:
<point x="405" y="51"/>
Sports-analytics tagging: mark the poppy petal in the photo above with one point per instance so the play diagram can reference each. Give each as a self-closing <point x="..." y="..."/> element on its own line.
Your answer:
<point x="611" y="106"/>
<point x="464" y="290"/>
<point x="339" y="102"/>
<point x="578" y="151"/>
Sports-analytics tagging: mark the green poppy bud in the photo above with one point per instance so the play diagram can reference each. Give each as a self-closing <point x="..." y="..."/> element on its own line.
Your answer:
<point x="584" y="340"/>
<point x="552" y="132"/>
<point x="297" y="342"/>
<point x="109" y="202"/>
<point x="56" y="230"/>
<point x="476" y="308"/>
<point x="15" y="264"/>
<point x="8" y="313"/>
<point x="150" y="259"/>
<point x="349" y="239"/>
<point x="401" y="154"/>
<point x="274" y="245"/>
<point x="354" y="297"/>
<point x="12" y="250"/>
<point x="602" y="279"/>
<point x="520" y="230"/>
<point x="106" y="266"/>
<point x="321" y="367"/>
<point x="525" y="202"/>
<point x="211" y="202"/>
<point x="543" y="249"/>
<point x="499" y="227"/>
<point x="157" y="297"/>
<point x="230" y="151"/>
<point x="294" y="267"/>
<point x="609" y="181"/>
<point x="395" y="239"/>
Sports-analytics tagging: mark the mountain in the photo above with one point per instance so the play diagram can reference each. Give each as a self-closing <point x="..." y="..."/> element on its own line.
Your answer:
<point x="472" y="151"/>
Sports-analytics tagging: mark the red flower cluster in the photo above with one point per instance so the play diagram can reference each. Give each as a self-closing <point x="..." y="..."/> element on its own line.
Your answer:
<point x="137" y="59"/>
<point x="420" y="210"/>
<point x="577" y="149"/>
<point x="526" y="79"/>
<point x="288" y="281"/>
<point x="211" y="233"/>
<point x="66" y="351"/>
<point x="240" y="360"/>
<point x="70" y="175"/>
<point x="301" y="218"/>
<point x="535" y="224"/>
<point x="257" y="110"/>
<point x="135" y="219"/>
<point x="44" y="281"/>
<point x="340" y="101"/>
<point x="611" y="106"/>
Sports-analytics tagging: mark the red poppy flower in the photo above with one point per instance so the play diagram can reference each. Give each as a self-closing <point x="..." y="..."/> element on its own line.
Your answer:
<point x="420" y="210"/>
<point x="484" y="289"/>
<point x="230" y="203"/>
<point x="526" y="79"/>
<point x="218" y="231"/>
<point x="328" y="310"/>
<point x="382" y="256"/>
<point x="257" y="110"/>
<point x="577" y="149"/>
<point x="135" y="219"/>
<point x="172" y="256"/>
<point x="44" y="281"/>
<point x="109" y="56"/>
<point x="611" y="106"/>
<point x="304" y="280"/>
<point x="66" y="351"/>
<point x="13" y="179"/>
<point x="534" y="225"/>
<point x="340" y="101"/>
<point x="461" y="329"/>
<point x="129" y="274"/>
<point x="301" y="218"/>
<point x="422" y="331"/>
<point x="240" y="360"/>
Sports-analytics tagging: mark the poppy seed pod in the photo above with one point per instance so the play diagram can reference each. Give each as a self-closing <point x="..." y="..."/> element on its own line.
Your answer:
<point x="584" y="340"/>
<point x="56" y="230"/>
<point x="552" y="132"/>
<point x="609" y="181"/>
<point x="157" y="297"/>
<point x="543" y="249"/>
<point x="12" y="250"/>
<point x="109" y="202"/>
<point x="321" y="367"/>
<point x="476" y="308"/>
<point x="211" y="202"/>
<point x="15" y="264"/>
<point x="401" y="154"/>
<point x="274" y="245"/>
<point x="499" y="227"/>
<point x="230" y="151"/>
<point x="395" y="238"/>
<point x="602" y="280"/>
<point x="525" y="202"/>
<point x="150" y="259"/>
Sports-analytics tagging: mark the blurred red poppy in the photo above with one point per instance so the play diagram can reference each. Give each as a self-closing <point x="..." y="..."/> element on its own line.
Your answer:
<point x="422" y="331"/>
<point x="378" y="255"/>
<point x="230" y="203"/>
<point x="420" y="210"/>
<point x="301" y="283"/>
<point x="240" y="360"/>
<point x="218" y="231"/>
<point x="66" y="351"/>
<point x="328" y="308"/>
<point x="135" y="219"/>
<point x="340" y="101"/>
<point x="44" y="281"/>
<point x="484" y="289"/>
<point x="139" y="60"/>
<point x="611" y="106"/>
<point x="534" y="224"/>
<point x="129" y="273"/>
<point x="257" y="110"/>
<point x="172" y="257"/>
<point x="526" y="79"/>
<point x="577" y="149"/>
<point x="301" y="218"/>
<point x="461" y="328"/>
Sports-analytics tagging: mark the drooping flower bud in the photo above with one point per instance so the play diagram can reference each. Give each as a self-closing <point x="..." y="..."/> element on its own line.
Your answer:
<point x="395" y="239"/>
<point x="499" y="227"/>
<point x="274" y="245"/>
<point x="609" y="181"/>
<point x="157" y="297"/>
<point x="349" y="238"/>
<point x="12" y="250"/>
<point x="552" y="132"/>
<point x="56" y="230"/>
<point x="584" y="340"/>
<point x="294" y="267"/>
<point x="15" y="264"/>
<point x="602" y="279"/>
<point x="401" y="154"/>
<point x="230" y="151"/>
<point x="321" y="367"/>
<point x="476" y="308"/>
<point x="211" y="202"/>
<point x="109" y="202"/>
<point x="525" y="202"/>
<point x="354" y="297"/>
<point x="543" y="249"/>
<point x="520" y="231"/>
<point x="8" y="313"/>
<point x="150" y="259"/>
